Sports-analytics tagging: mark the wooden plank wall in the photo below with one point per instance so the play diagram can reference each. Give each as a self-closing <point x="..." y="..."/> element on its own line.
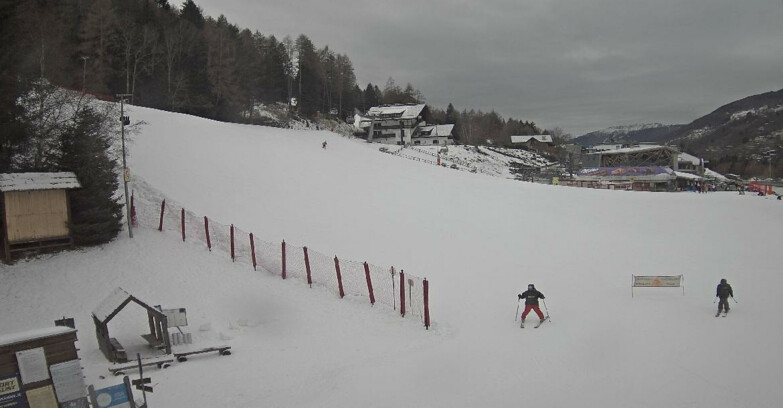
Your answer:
<point x="58" y="349"/>
<point x="35" y="215"/>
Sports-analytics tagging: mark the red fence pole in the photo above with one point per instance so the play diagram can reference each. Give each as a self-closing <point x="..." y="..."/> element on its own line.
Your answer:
<point x="162" y="208"/>
<point x="253" y="250"/>
<point x="232" y="243"/>
<point x="283" y="259"/>
<point x="426" y="304"/>
<point x="339" y="277"/>
<point x="402" y="293"/>
<point x="307" y="266"/>
<point x="182" y="217"/>
<point x="206" y="231"/>
<point x="369" y="283"/>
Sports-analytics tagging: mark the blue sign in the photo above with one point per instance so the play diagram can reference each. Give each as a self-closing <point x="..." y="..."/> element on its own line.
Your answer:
<point x="114" y="396"/>
<point x="11" y="392"/>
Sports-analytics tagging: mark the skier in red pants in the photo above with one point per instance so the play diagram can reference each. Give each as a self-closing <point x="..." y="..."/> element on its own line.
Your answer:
<point x="531" y="296"/>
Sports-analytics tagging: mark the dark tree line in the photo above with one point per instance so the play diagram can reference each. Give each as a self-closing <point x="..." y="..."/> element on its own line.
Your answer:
<point x="481" y="128"/>
<point x="173" y="59"/>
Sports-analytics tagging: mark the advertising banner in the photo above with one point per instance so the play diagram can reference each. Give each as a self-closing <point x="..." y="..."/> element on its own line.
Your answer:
<point x="657" y="281"/>
<point x="114" y="396"/>
<point x="11" y="392"/>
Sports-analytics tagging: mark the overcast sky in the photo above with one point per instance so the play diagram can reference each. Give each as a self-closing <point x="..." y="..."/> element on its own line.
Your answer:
<point x="582" y="65"/>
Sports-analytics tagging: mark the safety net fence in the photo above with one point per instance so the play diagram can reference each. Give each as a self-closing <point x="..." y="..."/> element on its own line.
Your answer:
<point x="401" y="291"/>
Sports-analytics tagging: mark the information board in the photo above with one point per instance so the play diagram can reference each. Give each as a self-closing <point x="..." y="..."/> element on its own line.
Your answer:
<point x="32" y="365"/>
<point x="68" y="381"/>
<point x="41" y="397"/>
<point x="176" y="317"/>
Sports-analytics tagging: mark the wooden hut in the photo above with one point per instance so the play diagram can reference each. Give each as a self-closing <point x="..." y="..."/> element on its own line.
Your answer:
<point x="34" y="211"/>
<point x="36" y="364"/>
<point x="158" y="336"/>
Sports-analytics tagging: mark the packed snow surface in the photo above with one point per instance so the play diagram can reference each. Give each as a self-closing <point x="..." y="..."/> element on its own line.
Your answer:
<point x="478" y="239"/>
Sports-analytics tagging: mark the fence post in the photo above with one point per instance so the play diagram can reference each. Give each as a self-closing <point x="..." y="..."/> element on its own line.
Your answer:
<point x="394" y="298"/>
<point x="402" y="292"/>
<point x="426" y="304"/>
<point x="162" y="208"/>
<point x="369" y="283"/>
<point x="339" y="277"/>
<point x="307" y="266"/>
<point x="182" y="217"/>
<point x="410" y="293"/>
<point x="206" y="231"/>
<point x="134" y="220"/>
<point x="253" y="250"/>
<point x="283" y="259"/>
<point x="232" y="243"/>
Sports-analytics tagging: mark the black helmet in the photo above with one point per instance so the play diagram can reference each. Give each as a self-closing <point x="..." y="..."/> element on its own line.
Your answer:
<point x="531" y="286"/>
<point x="723" y="281"/>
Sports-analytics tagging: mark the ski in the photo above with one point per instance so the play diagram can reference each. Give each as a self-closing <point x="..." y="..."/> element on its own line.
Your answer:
<point x="541" y="322"/>
<point x="717" y="314"/>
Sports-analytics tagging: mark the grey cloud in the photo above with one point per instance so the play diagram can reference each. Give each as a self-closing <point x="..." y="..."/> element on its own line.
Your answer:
<point x="581" y="65"/>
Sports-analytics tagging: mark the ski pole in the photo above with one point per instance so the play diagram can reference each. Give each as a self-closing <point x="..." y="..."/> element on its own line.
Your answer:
<point x="517" y="313"/>
<point x="547" y="310"/>
<point x="735" y="300"/>
<point x="716" y="299"/>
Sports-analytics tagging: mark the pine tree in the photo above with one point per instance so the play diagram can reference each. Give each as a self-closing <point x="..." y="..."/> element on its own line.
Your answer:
<point x="96" y="214"/>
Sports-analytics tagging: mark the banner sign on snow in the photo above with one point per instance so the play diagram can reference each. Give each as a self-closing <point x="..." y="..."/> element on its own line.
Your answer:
<point x="657" y="281"/>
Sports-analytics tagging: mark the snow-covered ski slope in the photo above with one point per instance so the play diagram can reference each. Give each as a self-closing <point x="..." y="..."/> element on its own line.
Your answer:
<point x="478" y="239"/>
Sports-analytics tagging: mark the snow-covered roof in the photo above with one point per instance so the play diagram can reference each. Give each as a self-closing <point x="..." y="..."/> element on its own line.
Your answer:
<point x="111" y="303"/>
<point x="638" y="173"/>
<point x="397" y="111"/>
<point x="687" y="176"/>
<point x="636" y="149"/>
<point x="436" y="130"/>
<point x="525" y="139"/>
<point x="714" y="174"/>
<point x="38" y="181"/>
<point x="685" y="157"/>
<point x="14" y="338"/>
<point x="605" y="147"/>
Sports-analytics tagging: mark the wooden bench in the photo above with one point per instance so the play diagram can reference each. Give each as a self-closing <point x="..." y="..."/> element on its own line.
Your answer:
<point x="222" y="350"/>
<point x="118" y="351"/>
<point x="153" y="341"/>
<point x="160" y="362"/>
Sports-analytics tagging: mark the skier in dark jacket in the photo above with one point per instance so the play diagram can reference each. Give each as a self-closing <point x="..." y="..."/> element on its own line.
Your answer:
<point x="531" y="296"/>
<point x="723" y="292"/>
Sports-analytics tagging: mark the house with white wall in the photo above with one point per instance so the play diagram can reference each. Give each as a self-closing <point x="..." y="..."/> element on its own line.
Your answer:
<point x="402" y="125"/>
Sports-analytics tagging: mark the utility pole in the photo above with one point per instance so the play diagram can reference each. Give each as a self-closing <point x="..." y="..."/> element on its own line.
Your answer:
<point x="125" y="120"/>
<point x="84" y="74"/>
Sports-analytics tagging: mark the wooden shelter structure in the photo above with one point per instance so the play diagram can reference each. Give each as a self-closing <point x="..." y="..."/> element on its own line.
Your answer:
<point x="637" y="156"/>
<point x="34" y="211"/>
<point x="158" y="336"/>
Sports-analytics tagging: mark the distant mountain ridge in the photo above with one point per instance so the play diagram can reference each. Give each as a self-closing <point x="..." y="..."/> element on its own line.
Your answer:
<point x="743" y="137"/>
<point x="649" y="132"/>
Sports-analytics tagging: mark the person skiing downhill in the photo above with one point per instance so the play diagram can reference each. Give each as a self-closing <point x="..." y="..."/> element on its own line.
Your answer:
<point x="722" y="292"/>
<point x="531" y="296"/>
